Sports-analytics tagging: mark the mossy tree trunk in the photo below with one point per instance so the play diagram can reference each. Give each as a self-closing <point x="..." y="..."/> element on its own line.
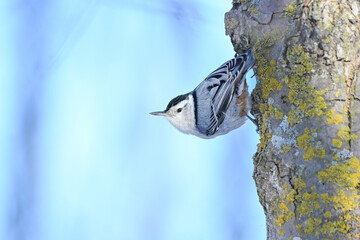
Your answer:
<point x="307" y="101"/>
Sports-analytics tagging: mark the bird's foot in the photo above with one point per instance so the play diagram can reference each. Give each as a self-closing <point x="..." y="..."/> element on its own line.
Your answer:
<point x="255" y="121"/>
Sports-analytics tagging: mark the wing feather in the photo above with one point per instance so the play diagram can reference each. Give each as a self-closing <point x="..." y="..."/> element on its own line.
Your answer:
<point x="224" y="82"/>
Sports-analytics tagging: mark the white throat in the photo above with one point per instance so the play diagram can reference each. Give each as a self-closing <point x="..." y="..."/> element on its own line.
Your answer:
<point x="185" y="121"/>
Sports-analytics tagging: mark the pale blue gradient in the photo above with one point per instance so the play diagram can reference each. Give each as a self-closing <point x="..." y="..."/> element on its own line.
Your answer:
<point x="81" y="157"/>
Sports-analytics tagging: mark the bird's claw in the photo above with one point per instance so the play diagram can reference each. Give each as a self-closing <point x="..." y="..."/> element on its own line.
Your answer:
<point x="255" y="121"/>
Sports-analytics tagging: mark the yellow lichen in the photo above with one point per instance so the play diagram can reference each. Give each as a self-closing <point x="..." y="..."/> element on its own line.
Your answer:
<point x="344" y="202"/>
<point x="279" y="113"/>
<point x="267" y="74"/>
<point x="291" y="196"/>
<point x="309" y="203"/>
<point x="337" y="142"/>
<point x="290" y="216"/>
<point x="270" y="85"/>
<point x="346" y="174"/>
<point x="289" y="10"/>
<point x="271" y="109"/>
<point x="284" y="186"/>
<point x="309" y="103"/>
<point x="286" y="148"/>
<point x="344" y="133"/>
<point x="285" y="215"/>
<point x="334" y="118"/>
<point x="300" y="70"/>
<point x="327" y="214"/>
<point x="280" y="220"/>
<point x="312" y="224"/>
<point x="325" y="198"/>
<point x="252" y="9"/>
<point x="304" y="143"/>
<point x="297" y="55"/>
<point x="328" y="228"/>
<point x="299" y="184"/>
<point x="326" y="40"/>
<point x="306" y="102"/>
<point x="303" y="140"/>
<point x="312" y="153"/>
<point x="342" y="225"/>
<point x="293" y="116"/>
<point x="337" y="93"/>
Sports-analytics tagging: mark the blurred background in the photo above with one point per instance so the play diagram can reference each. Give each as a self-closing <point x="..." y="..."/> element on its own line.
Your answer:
<point x="80" y="156"/>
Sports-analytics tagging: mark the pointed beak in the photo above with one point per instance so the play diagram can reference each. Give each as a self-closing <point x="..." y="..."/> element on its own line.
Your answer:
<point x="160" y="113"/>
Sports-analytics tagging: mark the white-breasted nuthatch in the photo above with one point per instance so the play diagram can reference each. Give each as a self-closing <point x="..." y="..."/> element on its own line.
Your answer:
<point x="218" y="105"/>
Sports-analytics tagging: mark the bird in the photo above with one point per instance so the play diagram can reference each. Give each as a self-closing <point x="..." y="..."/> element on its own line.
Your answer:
<point x="218" y="105"/>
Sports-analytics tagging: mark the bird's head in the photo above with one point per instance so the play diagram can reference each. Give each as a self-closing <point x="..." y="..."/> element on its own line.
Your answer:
<point x="181" y="113"/>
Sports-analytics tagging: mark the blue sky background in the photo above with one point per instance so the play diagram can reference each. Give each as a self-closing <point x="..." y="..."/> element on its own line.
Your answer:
<point x="81" y="157"/>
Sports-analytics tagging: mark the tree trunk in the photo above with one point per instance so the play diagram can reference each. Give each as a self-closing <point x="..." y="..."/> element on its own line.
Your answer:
<point x="307" y="102"/>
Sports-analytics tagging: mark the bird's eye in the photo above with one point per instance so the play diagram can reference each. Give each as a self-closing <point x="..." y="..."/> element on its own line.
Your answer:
<point x="179" y="110"/>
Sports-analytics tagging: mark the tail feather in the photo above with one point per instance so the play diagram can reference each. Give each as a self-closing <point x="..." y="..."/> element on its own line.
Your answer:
<point x="243" y="62"/>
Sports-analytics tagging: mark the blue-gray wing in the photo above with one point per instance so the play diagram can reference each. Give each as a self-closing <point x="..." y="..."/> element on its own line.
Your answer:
<point x="222" y="84"/>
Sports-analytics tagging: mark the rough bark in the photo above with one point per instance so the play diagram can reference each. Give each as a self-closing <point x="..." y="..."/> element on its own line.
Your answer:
<point x="307" y="101"/>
